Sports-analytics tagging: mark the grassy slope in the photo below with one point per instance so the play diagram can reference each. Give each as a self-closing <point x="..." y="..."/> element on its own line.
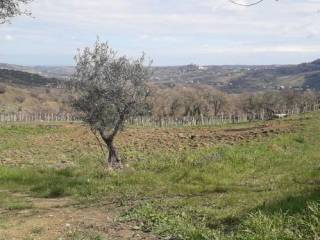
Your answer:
<point x="266" y="189"/>
<point x="31" y="99"/>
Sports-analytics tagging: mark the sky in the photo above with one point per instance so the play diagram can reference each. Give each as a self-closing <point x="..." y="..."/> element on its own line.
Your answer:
<point x="170" y="32"/>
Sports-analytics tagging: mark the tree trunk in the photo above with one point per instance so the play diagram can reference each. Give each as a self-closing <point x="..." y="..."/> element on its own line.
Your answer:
<point x="113" y="159"/>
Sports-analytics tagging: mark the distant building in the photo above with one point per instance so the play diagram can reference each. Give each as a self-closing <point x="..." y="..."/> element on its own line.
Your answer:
<point x="203" y="68"/>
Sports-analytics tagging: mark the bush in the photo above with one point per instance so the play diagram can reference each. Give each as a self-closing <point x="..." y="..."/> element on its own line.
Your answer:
<point x="2" y="89"/>
<point x="34" y="94"/>
<point x="20" y="99"/>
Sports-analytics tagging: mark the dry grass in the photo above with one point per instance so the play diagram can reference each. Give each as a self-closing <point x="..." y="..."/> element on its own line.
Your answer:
<point x="31" y="100"/>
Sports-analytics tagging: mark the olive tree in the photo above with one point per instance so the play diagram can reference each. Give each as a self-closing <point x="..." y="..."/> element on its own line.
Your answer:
<point x="11" y="8"/>
<point x="109" y="89"/>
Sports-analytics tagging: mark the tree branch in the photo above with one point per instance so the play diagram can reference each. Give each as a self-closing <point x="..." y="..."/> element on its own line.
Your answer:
<point x="98" y="140"/>
<point x="109" y="137"/>
<point x="244" y="4"/>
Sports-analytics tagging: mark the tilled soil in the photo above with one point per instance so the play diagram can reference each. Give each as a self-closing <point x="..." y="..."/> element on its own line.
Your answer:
<point x="185" y="138"/>
<point x="58" y="148"/>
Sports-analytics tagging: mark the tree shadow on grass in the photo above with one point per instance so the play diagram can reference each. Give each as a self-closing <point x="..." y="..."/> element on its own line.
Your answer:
<point x="291" y="205"/>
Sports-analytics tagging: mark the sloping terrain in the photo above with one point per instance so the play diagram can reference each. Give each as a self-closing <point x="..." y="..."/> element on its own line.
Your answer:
<point x="251" y="181"/>
<point x="60" y="72"/>
<point x="25" y="99"/>
<point x="29" y="92"/>
<point x="244" y="78"/>
<point x="26" y="79"/>
<point x="237" y="78"/>
<point x="304" y="76"/>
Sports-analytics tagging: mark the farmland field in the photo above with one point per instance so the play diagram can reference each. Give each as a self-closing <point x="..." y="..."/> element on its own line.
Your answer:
<point x="247" y="181"/>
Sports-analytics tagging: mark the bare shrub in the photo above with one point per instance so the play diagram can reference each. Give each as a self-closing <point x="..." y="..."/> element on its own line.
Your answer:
<point x="3" y="89"/>
<point x="20" y="99"/>
<point x="34" y="94"/>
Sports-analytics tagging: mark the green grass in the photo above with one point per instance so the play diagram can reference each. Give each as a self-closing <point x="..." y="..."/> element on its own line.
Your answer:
<point x="266" y="189"/>
<point x="42" y="182"/>
<point x="11" y="202"/>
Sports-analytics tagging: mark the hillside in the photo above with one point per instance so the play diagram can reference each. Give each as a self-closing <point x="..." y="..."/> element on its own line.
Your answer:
<point x="60" y="72"/>
<point x="233" y="79"/>
<point x="305" y="76"/>
<point x="30" y="92"/>
<point x="15" y="99"/>
<point x="26" y="79"/>
<point x="244" y="78"/>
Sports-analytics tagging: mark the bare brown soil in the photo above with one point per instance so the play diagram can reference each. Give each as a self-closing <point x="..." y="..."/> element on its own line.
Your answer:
<point x="176" y="139"/>
<point x="60" y="219"/>
<point x="67" y="142"/>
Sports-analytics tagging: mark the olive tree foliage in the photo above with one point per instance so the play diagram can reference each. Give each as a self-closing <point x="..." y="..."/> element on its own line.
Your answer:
<point x="12" y="8"/>
<point x="109" y="89"/>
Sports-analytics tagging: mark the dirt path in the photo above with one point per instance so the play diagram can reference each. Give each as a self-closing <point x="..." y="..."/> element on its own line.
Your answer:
<point x="60" y="219"/>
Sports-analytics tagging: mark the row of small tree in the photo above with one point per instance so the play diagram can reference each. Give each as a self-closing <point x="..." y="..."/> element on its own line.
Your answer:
<point x="278" y="102"/>
<point x="182" y="101"/>
<point x="187" y="101"/>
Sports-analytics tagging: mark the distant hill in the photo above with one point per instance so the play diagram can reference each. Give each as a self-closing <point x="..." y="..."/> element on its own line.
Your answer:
<point x="60" y="72"/>
<point x="244" y="78"/>
<point x="301" y="76"/>
<point x="233" y="78"/>
<point x="26" y="79"/>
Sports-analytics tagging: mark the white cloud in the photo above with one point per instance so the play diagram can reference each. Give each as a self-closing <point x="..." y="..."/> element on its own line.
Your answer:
<point x="8" y="37"/>
<point x="284" y="48"/>
<point x="158" y="38"/>
<point x="181" y="16"/>
<point x="181" y="26"/>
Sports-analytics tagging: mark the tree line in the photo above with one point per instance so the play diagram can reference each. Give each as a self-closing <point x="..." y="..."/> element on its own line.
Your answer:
<point x="188" y="101"/>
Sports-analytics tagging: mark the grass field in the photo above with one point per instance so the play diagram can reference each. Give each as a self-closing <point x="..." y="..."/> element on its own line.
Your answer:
<point x="248" y="181"/>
